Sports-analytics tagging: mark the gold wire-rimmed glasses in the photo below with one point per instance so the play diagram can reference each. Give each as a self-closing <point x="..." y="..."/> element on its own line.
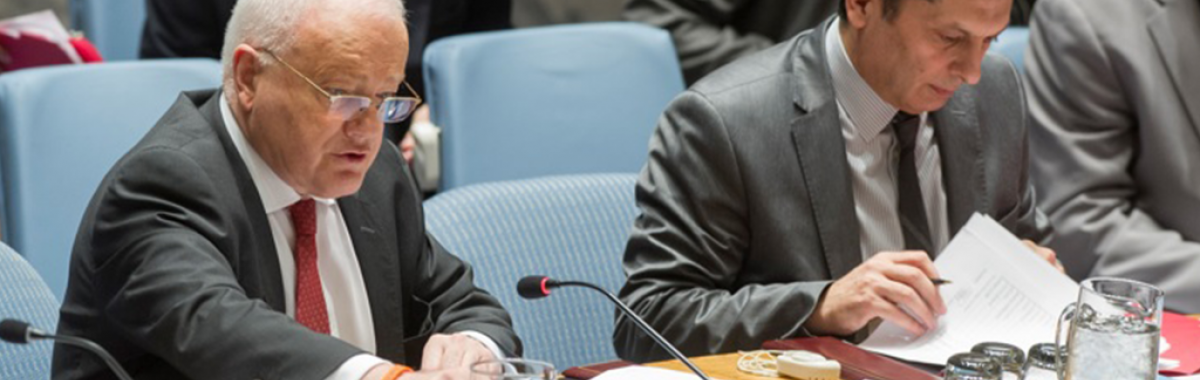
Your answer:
<point x="393" y="109"/>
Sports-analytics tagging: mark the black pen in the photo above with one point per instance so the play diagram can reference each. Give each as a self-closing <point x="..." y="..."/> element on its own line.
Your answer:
<point x="939" y="281"/>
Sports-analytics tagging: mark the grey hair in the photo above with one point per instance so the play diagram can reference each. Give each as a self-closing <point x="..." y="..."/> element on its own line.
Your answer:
<point x="272" y="24"/>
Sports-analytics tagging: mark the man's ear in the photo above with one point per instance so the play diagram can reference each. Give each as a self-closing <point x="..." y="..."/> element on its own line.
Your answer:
<point x="857" y="10"/>
<point x="247" y="65"/>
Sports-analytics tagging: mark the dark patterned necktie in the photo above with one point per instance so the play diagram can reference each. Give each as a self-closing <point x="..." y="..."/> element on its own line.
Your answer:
<point x="911" y="205"/>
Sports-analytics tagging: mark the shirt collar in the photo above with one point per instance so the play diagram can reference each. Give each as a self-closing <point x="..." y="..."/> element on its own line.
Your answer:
<point x="868" y="113"/>
<point x="275" y="193"/>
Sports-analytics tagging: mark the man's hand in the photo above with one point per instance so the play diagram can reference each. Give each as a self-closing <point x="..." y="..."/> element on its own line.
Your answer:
<point x="882" y="287"/>
<point x="445" y="352"/>
<point x="408" y="145"/>
<point x="1046" y="253"/>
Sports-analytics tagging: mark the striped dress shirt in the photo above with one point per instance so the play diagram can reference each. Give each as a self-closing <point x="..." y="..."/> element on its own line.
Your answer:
<point x="874" y="157"/>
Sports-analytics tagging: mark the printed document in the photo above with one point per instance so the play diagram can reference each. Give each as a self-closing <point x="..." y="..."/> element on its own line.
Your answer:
<point x="1001" y="291"/>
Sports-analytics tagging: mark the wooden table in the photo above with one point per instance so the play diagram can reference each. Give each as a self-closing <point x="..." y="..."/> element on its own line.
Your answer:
<point x="723" y="366"/>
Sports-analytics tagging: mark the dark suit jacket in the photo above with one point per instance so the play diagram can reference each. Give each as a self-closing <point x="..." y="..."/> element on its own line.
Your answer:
<point x="711" y="33"/>
<point x="175" y="272"/>
<point x="747" y="207"/>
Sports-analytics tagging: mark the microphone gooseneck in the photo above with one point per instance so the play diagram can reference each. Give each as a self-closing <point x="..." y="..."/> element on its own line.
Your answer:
<point x="20" y="332"/>
<point x="533" y="287"/>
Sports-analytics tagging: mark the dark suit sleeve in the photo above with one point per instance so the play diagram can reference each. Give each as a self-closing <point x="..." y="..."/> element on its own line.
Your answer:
<point x="185" y="28"/>
<point x="689" y="244"/>
<point x="701" y="30"/>
<point x="456" y="305"/>
<point x="164" y="285"/>
<point x="445" y="285"/>
<point x="487" y="15"/>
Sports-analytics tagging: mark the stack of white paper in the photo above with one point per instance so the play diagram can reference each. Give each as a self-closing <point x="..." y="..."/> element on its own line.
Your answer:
<point x="1001" y="292"/>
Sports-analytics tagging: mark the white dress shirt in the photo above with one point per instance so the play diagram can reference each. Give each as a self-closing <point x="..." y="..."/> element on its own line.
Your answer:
<point x="874" y="158"/>
<point x="342" y="284"/>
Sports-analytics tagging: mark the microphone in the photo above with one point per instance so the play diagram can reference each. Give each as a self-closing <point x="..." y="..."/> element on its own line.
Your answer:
<point x="533" y="287"/>
<point x="20" y="332"/>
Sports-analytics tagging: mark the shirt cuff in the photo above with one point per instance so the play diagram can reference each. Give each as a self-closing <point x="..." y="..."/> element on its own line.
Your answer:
<point x="487" y="342"/>
<point x="356" y="367"/>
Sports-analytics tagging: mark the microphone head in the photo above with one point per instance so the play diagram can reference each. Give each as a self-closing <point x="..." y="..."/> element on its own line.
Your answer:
<point x="532" y="287"/>
<point x="14" y="331"/>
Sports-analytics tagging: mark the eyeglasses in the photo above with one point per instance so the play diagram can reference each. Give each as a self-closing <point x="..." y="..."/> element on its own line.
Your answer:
<point x="393" y="109"/>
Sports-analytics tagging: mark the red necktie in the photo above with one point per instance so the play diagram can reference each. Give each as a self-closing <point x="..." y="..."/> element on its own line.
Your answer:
<point x="310" y="301"/>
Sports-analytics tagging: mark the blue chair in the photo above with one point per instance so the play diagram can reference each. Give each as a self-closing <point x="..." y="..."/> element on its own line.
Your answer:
<point x="24" y="296"/>
<point x="1012" y="43"/>
<point x="552" y="100"/>
<point x="115" y="26"/>
<point x="566" y="227"/>
<point x="61" y="129"/>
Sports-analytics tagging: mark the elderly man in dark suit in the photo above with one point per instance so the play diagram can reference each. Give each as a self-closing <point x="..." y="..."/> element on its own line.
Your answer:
<point x="803" y="190"/>
<point x="260" y="231"/>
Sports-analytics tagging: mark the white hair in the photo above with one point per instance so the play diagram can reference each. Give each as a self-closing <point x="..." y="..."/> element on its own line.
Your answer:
<point x="272" y="24"/>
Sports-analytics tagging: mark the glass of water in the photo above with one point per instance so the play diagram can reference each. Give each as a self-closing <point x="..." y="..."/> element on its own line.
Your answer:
<point x="1113" y="333"/>
<point x="1042" y="363"/>
<point x="513" y="369"/>
<point x="971" y="366"/>
<point x="1010" y="357"/>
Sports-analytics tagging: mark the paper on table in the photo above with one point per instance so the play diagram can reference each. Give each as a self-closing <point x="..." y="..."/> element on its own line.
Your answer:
<point x="638" y="372"/>
<point x="1001" y="292"/>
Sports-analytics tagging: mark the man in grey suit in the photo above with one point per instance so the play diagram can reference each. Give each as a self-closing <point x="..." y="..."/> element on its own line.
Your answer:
<point x="801" y="191"/>
<point x="1114" y="99"/>
<point x="260" y="231"/>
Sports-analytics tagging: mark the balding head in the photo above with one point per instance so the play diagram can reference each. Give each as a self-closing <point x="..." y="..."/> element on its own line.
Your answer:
<point x="285" y="63"/>
<point x="272" y="24"/>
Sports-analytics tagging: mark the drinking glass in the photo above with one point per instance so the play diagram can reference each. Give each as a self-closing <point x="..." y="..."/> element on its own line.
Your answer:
<point x="513" y="369"/>
<point x="971" y="366"/>
<point x="1010" y="357"/>
<point x="1113" y="333"/>
<point x="1042" y="363"/>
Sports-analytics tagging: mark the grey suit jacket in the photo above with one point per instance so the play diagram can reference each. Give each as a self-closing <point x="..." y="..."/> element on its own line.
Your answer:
<point x="1114" y="96"/>
<point x="747" y="208"/>
<point x="175" y="272"/>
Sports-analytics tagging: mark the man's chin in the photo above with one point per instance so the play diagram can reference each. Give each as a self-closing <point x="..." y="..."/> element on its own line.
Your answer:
<point x="342" y="188"/>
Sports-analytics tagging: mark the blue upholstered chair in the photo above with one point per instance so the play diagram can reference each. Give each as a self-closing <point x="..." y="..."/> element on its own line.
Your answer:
<point x="24" y="296"/>
<point x="61" y="129"/>
<point x="566" y="227"/>
<point x="115" y="26"/>
<point x="566" y="99"/>
<point x="1012" y="43"/>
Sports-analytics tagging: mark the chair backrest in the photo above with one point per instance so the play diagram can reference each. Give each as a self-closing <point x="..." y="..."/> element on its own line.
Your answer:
<point x="566" y="227"/>
<point x="61" y="129"/>
<point x="114" y="26"/>
<point x="1012" y="43"/>
<point x="24" y="296"/>
<point x="552" y="100"/>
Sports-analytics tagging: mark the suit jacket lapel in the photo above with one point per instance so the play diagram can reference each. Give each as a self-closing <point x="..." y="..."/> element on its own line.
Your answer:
<point x="816" y="132"/>
<point x="381" y="274"/>
<point x="957" y="129"/>
<point x="1174" y="32"/>
<point x="264" y="258"/>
